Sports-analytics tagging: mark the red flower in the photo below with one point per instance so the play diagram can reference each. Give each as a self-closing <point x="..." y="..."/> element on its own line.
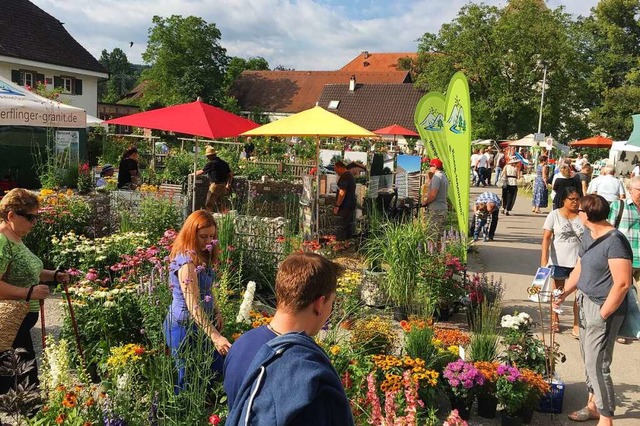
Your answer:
<point x="214" y="419"/>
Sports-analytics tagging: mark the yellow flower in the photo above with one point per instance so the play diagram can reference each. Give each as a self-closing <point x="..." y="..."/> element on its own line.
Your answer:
<point x="335" y="350"/>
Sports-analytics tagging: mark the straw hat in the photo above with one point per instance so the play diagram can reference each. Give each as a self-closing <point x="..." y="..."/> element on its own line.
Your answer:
<point x="210" y="151"/>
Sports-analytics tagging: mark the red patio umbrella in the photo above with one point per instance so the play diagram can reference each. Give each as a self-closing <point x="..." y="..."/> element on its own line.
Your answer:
<point x="195" y="118"/>
<point x="394" y="130"/>
<point x="594" y="142"/>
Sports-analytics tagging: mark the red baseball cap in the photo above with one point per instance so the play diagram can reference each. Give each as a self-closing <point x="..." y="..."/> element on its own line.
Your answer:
<point x="436" y="163"/>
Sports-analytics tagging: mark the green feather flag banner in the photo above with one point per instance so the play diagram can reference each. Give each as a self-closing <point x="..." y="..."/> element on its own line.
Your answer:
<point x="444" y="123"/>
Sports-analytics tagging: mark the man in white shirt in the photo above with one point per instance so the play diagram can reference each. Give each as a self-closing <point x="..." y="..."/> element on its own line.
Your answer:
<point x="636" y="171"/>
<point x="474" y="166"/>
<point x="607" y="185"/>
<point x="481" y="168"/>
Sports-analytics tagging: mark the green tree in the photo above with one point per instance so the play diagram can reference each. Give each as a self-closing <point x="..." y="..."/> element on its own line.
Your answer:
<point x="503" y="51"/>
<point x="613" y="47"/>
<point x="186" y="60"/>
<point x="122" y="76"/>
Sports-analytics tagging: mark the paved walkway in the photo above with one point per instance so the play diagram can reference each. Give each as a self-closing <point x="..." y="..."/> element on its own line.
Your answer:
<point x="515" y="256"/>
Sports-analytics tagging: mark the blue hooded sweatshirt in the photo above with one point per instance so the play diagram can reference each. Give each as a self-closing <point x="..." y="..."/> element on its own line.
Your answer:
<point x="291" y="382"/>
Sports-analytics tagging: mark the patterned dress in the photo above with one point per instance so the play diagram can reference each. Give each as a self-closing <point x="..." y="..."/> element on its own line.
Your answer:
<point x="540" y="191"/>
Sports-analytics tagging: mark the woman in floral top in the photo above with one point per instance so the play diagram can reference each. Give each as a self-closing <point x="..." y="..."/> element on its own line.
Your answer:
<point x="21" y="272"/>
<point x="193" y="255"/>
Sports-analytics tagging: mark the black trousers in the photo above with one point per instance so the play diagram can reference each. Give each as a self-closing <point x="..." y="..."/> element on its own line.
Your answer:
<point x="509" y="194"/>
<point x="345" y="225"/>
<point x="23" y="340"/>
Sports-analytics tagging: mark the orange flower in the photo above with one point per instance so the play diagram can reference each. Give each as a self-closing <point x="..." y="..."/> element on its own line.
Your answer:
<point x="61" y="418"/>
<point x="489" y="370"/>
<point x="89" y="402"/>
<point x="139" y="350"/>
<point x="535" y="381"/>
<point x="451" y="337"/>
<point x="70" y="400"/>
<point x="87" y="424"/>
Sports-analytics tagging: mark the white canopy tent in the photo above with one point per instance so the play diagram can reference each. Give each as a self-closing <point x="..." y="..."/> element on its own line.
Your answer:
<point x="20" y="107"/>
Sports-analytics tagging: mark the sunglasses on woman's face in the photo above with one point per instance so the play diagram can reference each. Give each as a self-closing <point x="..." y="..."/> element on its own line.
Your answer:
<point x="29" y="216"/>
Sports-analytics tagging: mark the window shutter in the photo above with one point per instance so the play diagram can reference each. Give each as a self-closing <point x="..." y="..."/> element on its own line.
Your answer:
<point x="15" y="77"/>
<point x="57" y="82"/>
<point x="40" y="78"/>
<point x="77" y="83"/>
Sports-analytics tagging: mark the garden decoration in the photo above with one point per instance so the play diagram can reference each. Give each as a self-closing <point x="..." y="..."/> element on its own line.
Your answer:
<point x="315" y="122"/>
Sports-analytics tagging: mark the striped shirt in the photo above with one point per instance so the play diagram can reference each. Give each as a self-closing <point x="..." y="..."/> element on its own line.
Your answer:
<point x="629" y="225"/>
<point x="488" y="197"/>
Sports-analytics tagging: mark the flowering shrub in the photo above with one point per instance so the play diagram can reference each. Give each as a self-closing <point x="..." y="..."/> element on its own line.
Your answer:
<point x="454" y="419"/>
<point x="373" y="334"/>
<point x="489" y="371"/>
<point x="523" y="349"/>
<point x="519" y="321"/>
<point x="463" y="378"/>
<point x="347" y="295"/>
<point x="75" y="405"/>
<point x="85" y="181"/>
<point x="511" y="390"/>
<point x="392" y="369"/>
<point x="407" y="402"/>
<point x="78" y="251"/>
<point x="60" y="213"/>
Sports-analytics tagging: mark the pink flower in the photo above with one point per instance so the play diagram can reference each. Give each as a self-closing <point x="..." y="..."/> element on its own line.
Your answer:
<point x="214" y="419"/>
<point x="92" y="275"/>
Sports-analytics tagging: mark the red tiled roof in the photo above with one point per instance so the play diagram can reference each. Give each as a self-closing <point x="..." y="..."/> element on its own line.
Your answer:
<point x="373" y="106"/>
<point x="295" y="91"/>
<point x="379" y="62"/>
<point x="28" y="32"/>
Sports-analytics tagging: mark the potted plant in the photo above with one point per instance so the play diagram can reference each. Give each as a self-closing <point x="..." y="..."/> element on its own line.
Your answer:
<point x="537" y="386"/>
<point x="464" y="381"/>
<point x="487" y="400"/>
<point x="399" y="249"/>
<point x="523" y="348"/>
<point x="512" y="393"/>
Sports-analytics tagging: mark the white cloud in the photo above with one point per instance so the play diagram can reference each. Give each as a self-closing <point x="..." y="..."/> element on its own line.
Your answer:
<point x="300" y="34"/>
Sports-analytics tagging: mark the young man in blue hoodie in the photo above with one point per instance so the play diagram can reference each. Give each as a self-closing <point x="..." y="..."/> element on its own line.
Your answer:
<point x="277" y="374"/>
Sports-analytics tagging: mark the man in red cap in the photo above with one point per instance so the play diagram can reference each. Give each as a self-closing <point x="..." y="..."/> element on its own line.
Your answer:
<point x="435" y="200"/>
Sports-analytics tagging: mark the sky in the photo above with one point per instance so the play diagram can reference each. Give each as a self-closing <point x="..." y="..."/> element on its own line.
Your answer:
<point x="301" y="34"/>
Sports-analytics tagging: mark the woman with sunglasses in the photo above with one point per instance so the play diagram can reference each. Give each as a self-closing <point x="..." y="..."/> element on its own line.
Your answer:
<point x="21" y="272"/>
<point x="561" y="238"/>
<point x="602" y="277"/>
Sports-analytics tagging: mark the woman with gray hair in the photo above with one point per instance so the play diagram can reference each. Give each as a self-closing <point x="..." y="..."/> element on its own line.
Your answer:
<point x="607" y="185"/>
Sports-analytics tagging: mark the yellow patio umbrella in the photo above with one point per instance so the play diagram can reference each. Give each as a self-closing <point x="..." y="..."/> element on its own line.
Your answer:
<point x="316" y="122"/>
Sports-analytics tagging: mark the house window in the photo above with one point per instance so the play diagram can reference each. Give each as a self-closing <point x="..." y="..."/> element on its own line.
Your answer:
<point x="48" y="81"/>
<point x="28" y="79"/>
<point x="333" y="104"/>
<point x="67" y="85"/>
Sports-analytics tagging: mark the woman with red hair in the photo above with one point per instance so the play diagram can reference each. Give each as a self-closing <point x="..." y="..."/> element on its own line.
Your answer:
<point x="193" y="311"/>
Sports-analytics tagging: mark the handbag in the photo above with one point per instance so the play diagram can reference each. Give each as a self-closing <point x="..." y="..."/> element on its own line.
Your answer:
<point x="12" y="313"/>
<point x="631" y="325"/>
<point x="502" y="181"/>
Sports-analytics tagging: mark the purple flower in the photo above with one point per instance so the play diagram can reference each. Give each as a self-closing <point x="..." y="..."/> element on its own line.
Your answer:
<point x="207" y="298"/>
